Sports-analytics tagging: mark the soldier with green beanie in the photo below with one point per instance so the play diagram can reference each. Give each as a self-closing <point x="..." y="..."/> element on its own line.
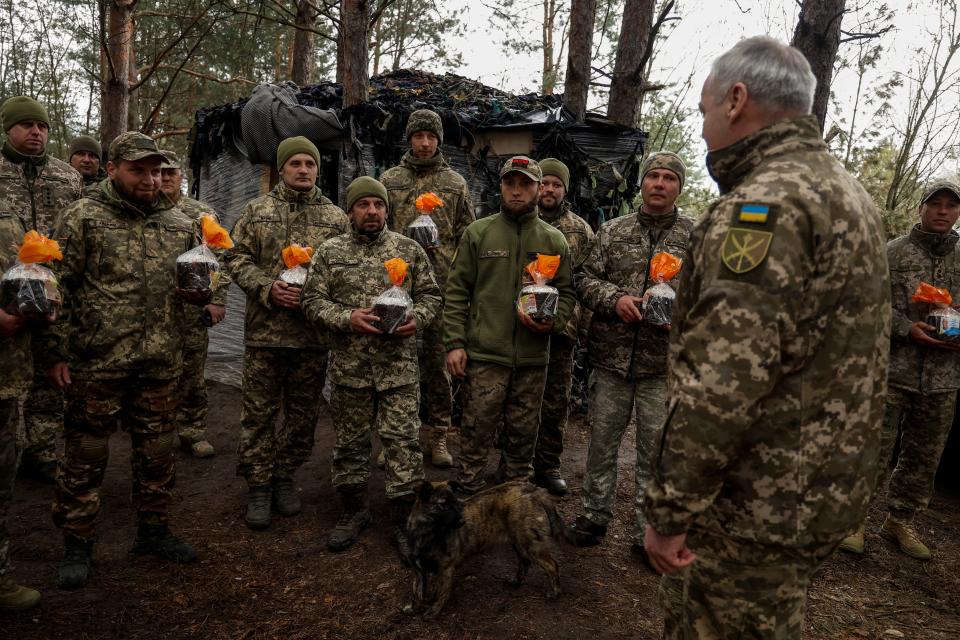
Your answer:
<point x="86" y="156"/>
<point x="423" y="169"/>
<point x="285" y="355"/>
<point x="499" y="351"/>
<point x="555" y="209"/>
<point x="374" y="377"/>
<point x="117" y="351"/>
<point x="192" y="409"/>
<point x="37" y="187"/>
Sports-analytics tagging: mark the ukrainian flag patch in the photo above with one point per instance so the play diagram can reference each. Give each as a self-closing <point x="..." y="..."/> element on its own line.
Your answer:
<point x="754" y="213"/>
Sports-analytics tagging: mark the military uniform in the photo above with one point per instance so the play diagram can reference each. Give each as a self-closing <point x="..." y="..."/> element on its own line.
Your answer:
<point x="507" y="363"/>
<point x="374" y="378"/>
<point x="38" y="189"/>
<point x="556" y="392"/>
<point x="923" y="380"/>
<point x="629" y="360"/>
<point x="778" y="363"/>
<point x="404" y="183"/>
<point x="285" y="356"/>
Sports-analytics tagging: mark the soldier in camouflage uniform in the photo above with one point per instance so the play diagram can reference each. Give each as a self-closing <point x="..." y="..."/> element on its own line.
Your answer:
<point x="38" y="187"/>
<point x="192" y="408"/>
<point x="117" y="351"/>
<point x="499" y="351"/>
<point x="423" y="169"/>
<point x="628" y="355"/>
<point x="924" y="371"/>
<point x="86" y="156"/>
<point x="778" y="362"/>
<point x="16" y="372"/>
<point x="556" y="393"/>
<point x="285" y="355"/>
<point x="374" y="378"/>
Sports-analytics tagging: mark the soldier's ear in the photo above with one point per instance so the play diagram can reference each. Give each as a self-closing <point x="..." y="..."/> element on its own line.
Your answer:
<point x="424" y="491"/>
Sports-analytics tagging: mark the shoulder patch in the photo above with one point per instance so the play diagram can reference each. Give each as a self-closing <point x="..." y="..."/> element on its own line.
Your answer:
<point x="754" y="213"/>
<point x="744" y="250"/>
<point x="495" y="253"/>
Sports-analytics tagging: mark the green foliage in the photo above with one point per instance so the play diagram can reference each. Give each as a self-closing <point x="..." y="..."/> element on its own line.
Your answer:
<point x="417" y="34"/>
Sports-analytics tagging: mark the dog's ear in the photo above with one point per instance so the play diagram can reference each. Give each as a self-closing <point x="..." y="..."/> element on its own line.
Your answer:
<point x="424" y="491"/>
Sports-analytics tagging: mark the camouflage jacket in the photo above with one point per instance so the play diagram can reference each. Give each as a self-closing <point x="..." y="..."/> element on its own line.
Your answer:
<point x="267" y="225"/>
<point x="935" y="259"/>
<point x="196" y="330"/>
<point x="619" y="264"/>
<point x="118" y="274"/>
<point x="413" y="177"/>
<point x="346" y="274"/>
<point x="39" y="199"/>
<point x="16" y="360"/>
<point x="579" y="235"/>
<point x="779" y="351"/>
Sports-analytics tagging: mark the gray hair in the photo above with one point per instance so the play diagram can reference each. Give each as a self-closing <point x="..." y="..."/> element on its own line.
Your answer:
<point x="777" y="75"/>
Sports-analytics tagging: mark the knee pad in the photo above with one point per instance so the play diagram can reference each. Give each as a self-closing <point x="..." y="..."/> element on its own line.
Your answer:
<point x="159" y="446"/>
<point x="88" y="449"/>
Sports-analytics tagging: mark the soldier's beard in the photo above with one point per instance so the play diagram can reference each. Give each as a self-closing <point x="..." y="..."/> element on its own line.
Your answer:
<point x="519" y="210"/>
<point x="133" y="199"/>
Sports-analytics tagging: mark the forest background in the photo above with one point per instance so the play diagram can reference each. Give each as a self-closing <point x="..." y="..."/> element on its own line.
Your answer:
<point x="889" y="71"/>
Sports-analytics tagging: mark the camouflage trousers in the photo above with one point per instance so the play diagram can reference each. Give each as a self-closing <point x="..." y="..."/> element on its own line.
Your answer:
<point x="42" y="414"/>
<point x="285" y="378"/>
<point x="923" y="422"/>
<point x="556" y="400"/>
<point x="739" y="590"/>
<point x="496" y="396"/>
<point x="144" y="408"/>
<point x="392" y="414"/>
<point x="435" y="388"/>
<point x="8" y="471"/>
<point x="613" y="402"/>
<point x="192" y="386"/>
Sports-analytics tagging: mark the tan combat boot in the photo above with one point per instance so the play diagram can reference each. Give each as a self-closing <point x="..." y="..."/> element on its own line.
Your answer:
<point x="906" y="538"/>
<point x="13" y="597"/>
<point x="439" y="456"/>
<point x="202" y="449"/>
<point x="854" y="543"/>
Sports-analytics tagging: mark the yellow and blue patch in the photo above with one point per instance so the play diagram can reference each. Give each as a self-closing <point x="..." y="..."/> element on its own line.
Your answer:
<point x="754" y="213"/>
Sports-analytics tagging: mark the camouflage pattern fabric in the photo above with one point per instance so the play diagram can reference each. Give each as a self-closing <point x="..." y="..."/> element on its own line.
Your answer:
<point x="739" y="590"/>
<point x="579" y="236"/>
<point x="935" y="259"/>
<point x="346" y="274"/>
<point x="424" y="120"/>
<point x="16" y="357"/>
<point x="8" y="471"/>
<point x="614" y="402"/>
<point x="619" y="264"/>
<point x="923" y="422"/>
<point x="42" y="411"/>
<point x="785" y="284"/>
<point x="38" y="194"/>
<point x="277" y="378"/>
<point x="392" y="415"/>
<point x="192" y="387"/>
<point x="267" y="225"/>
<point x="115" y="324"/>
<point x="145" y="408"/>
<point x="553" y="410"/>
<point x="505" y="397"/>
<point x="436" y="386"/>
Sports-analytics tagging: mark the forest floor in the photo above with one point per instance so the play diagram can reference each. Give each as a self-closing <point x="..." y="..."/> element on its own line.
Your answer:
<point x="283" y="583"/>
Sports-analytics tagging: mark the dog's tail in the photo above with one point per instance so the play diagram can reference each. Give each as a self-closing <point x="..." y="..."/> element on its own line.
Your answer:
<point x="558" y="528"/>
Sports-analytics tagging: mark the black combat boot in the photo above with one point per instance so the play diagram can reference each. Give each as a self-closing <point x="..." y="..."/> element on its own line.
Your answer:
<point x="586" y="532"/>
<point x="258" y="507"/>
<point x="74" y="570"/>
<point x="157" y="539"/>
<point x="399" y="513"/>
<point x="285" y="498"/>
<point x="552" y="481"/>
<point x="354" y="517"/>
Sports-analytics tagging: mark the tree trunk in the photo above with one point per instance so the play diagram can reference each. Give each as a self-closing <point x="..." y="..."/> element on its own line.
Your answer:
<point x="629" y="75"/>
<point x="353" y="50"/>
<point x="817" y="36"/>
<point x="548" y="75"/>
<point x="115" y="68"/>
<point x="577" y="83"/>
<point x="302" y="60"/>
<point x="133" y="109"/>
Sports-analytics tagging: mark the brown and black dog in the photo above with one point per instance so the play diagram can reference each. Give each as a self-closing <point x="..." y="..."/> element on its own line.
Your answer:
<point x="444" y="531"/>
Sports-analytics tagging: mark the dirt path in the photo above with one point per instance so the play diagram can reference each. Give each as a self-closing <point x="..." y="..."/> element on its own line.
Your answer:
<point x="283" y="583"/>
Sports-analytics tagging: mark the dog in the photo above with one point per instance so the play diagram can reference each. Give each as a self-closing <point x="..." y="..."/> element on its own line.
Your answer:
<point x="444" y="531"/>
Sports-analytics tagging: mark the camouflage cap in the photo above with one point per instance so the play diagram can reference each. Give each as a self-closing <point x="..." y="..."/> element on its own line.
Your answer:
<point x="939" y="185"/>
<point x="664" y="160"/>
<point x="522" y="164"/>
<point x="133" y="146"/>
<point x="425" y="120"/>
<point x="170" y="160"/>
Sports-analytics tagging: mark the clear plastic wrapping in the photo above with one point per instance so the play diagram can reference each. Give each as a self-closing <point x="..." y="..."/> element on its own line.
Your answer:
<point x="198" y="269"/>
<point x="658" y="300"/>
<point x="946" y="324"/>
<point x="424" y="230"/>
<point x="394" y="305"/>
<point x="31" y="291"/>
<point x="295" y="276"/>
<point x="538" y="299"/>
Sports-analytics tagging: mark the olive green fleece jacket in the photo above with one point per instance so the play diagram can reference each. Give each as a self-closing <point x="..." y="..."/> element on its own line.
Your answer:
<point x="480" y="313"/>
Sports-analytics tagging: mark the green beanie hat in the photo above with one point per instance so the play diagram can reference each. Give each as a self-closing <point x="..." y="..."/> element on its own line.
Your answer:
<point x="425" y="120"/>
<point x="20" y="108"/>
<point x="553" y="167"/>
<point x="292" y="146"/>
<point x="664" y="160"/>
<point x="365" y="187"/>
<point x="85" y="143"/>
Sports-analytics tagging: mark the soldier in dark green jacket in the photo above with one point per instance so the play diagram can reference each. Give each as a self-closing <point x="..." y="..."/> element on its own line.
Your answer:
<point x="501" y="353"/>
<point x="285" y="355"/>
